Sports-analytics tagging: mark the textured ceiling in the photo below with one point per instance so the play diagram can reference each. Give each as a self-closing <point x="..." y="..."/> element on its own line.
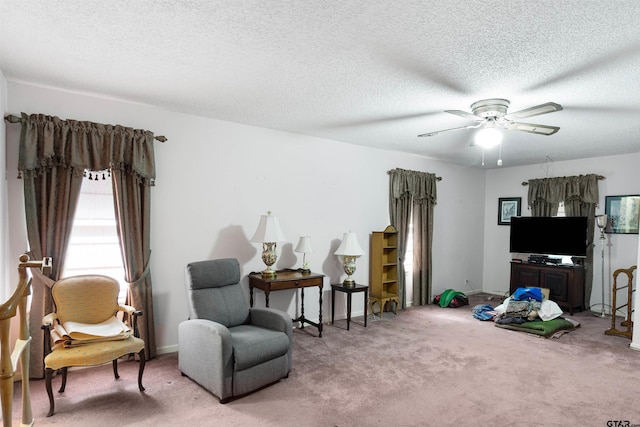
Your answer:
<point x="368" y="72"/>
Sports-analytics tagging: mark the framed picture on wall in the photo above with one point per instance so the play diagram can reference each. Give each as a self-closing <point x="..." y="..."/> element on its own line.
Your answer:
<point x="508" y="207"/>
<point x="623" y="213"/>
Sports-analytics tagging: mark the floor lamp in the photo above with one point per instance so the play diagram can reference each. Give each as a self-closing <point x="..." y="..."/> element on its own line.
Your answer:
<point x="601" y="221"/>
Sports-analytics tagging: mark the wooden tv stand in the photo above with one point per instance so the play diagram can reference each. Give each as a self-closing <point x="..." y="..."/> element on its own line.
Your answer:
<point x="565" y="283"/>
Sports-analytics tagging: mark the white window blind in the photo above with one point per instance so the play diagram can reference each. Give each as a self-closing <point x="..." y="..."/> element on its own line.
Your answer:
<point x="94" y="247"/>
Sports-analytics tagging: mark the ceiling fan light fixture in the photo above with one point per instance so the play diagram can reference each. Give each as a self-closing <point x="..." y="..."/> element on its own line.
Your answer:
<point x="488" y="137"/>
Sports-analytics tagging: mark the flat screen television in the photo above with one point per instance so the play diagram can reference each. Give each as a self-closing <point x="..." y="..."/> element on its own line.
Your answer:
<point x="549" y="235"/>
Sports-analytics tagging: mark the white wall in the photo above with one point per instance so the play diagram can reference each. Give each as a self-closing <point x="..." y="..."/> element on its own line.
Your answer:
<point x="216" y="178"/>
<point x="621" y="250"/>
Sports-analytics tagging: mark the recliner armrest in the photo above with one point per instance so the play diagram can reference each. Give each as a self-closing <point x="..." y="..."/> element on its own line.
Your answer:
<point x="206" y="355"/>
<point x="208" y="328"/>
<point x="277" y="320"/>
<point x="271" y="318"/>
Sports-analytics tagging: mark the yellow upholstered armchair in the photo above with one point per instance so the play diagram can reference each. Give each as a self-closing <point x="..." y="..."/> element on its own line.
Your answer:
<point x="85" y="329"/>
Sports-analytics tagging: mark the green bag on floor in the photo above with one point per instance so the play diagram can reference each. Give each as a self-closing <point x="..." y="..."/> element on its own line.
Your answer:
<point x="452" y="298"/>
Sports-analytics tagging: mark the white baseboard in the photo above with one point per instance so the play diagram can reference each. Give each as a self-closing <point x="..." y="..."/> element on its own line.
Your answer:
<point x="167" y="349"/>
<point x="497" y="293"/>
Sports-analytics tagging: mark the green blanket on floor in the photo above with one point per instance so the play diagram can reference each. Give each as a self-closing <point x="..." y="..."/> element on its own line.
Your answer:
<point x="545" y="328"/>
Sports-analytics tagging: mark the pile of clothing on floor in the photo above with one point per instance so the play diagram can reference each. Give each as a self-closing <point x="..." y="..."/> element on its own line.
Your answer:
<point x="451" y="298"/>
<point x="527" y="310"/>
<point x="524" y="305"/>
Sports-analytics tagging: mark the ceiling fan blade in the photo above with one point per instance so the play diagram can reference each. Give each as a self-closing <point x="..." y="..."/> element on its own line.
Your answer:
<point x="602" y="109"/>
<point x="375" y="120"/>
<point x="531" y="128"/>
<point x="549" y="107"/>
<point x="595" y="64"/>
<point x="465" y="115"/>
<point x="425" y="72"/>
<point x="447" y="130"/>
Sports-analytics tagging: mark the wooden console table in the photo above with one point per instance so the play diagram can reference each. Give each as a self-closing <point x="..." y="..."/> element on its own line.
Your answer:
<point x="289" y="279"/>
<point x="565" y="283"/>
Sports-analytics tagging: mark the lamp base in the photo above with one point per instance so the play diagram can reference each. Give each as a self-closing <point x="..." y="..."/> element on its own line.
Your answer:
<point x="349" y="283"/>
<point x="269" y="273"/>
<point x="602" y="314"/>
<point x="269" y="258"/>
<point x="349" y="268"/>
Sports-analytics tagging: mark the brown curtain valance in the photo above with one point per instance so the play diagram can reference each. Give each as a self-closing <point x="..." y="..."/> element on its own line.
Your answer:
<point x="50" y="141"/>
<point x="419" y="186"/>
<point x="581" y="188"/>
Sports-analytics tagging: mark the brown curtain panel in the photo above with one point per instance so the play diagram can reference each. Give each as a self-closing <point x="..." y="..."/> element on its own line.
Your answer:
<point x="412" y="194"/>
<point x="50" y="202"/>
<point x="580" y="197"/>
<point x="52" y="158"/>
<point x="400" y="217"/>
<point x="132" y="205"/>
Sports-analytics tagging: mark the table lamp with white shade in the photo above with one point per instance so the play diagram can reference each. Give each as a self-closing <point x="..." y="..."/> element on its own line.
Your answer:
<point x="304" y="247"/>
<point x="349" y="249"/>
<point x="269" y="234"/>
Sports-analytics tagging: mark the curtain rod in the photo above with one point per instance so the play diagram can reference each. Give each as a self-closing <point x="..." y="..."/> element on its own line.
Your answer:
<point x="599" y="178"/>
<point x="15" y="119"/>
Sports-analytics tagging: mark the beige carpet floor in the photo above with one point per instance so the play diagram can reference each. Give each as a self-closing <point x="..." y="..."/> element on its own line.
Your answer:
<point x="427" y="366"/>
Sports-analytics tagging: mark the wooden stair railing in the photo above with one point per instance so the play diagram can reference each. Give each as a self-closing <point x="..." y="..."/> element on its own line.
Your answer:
<point x="9" y="360"/>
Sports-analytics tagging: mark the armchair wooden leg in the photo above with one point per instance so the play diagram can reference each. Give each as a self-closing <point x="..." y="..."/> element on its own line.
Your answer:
<point x="63" y="385"/>
<point x="141" y="369"/>
<point x="115" y="368"/>
<point x="48" y="373"/>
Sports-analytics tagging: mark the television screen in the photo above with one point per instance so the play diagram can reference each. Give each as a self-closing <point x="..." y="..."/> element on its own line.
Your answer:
<point x="549" y="235"/>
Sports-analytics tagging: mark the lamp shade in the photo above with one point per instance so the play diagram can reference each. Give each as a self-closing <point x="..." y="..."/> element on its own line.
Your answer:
<point x="601" y="220"/>
<point x="268" y="230"/>
<point x="304" y="245"/>
<point x="349" y="245"/>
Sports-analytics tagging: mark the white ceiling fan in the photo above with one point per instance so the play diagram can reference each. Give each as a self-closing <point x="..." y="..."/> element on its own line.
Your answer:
<point x="492" y="113"/>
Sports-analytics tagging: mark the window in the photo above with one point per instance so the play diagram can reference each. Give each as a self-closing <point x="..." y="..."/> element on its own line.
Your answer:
<point x="561" y="212"/>
<point x="94" y="247"/>
<point x="408" y="266"/>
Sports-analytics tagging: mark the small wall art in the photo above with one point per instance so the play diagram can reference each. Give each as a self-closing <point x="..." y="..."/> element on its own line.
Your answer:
<point x="508" y="207"/>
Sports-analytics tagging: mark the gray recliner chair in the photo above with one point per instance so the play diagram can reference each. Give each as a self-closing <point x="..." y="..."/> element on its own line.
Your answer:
<point x="225" y="346"/>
